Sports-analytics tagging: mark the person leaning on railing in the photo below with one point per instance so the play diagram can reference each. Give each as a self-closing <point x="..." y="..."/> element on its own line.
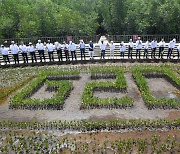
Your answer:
<point x="122" y="49"/>
<point x="112" y="48"/>
<point x="72" y="48"/>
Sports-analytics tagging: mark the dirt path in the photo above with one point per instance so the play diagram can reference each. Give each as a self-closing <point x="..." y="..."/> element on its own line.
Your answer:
<point x="72" y="104"/>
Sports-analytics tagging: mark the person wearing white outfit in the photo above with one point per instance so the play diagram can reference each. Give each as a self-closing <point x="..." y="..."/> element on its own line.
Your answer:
<point x="130" y="48"/>
<point x="146" y="46"/>
<point x="40" y="48"/>
<point x="66" y="50"/>
<point x="122" y="49"/>
<point x="153" y="47"/>
<point x="91" y="50"/>
<point x="112" y="48"/>
<point x="138" y="47"/>
<point x="23" y="50"/>
<point x="162" y="44"/>
<point x="171" y="48"/>
<point x="58" y="48"/>
<point x="15" y="51"/>
<point x="5" y="52"/>
<point x="72" y="48"/>
<point x="103" y="49"/>
<point x="50" y="49"/>
<point x="31" y="50"/>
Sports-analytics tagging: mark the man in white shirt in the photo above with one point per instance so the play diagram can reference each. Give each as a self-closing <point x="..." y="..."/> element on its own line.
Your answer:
<point x="112" y="48"/>
<point x="82" y="47"/>
<point x="178" y="50"/>
<point x="146" y="46"/>
<point x="130" y="48"/>
<point x="122" y="49"/>
<point x="138" y="47"/>
<point x="72" y="48"/>
<point x="91" y="50"/>
<point x="59" y="50"/>
<point x="4" y="52"/>
<point x="15" y="51"/>
<point x="161" y="48"/>
<point x="31" y="50"/>
<point x="40" y="48"/>
<point x="103" y="49"/>
<point x="153" y="47"/>
<point x="50" y="49"/>
<point x="171" y="47"/>
<point x="23" y="50"/>
<point x="66" y="50"/>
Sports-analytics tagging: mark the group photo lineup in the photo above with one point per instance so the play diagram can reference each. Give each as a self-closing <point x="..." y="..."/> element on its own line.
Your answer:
<point x="89" y="77"/>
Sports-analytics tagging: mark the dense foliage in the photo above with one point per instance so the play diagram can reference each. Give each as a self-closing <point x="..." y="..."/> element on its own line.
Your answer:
<point x="29" y="18"/>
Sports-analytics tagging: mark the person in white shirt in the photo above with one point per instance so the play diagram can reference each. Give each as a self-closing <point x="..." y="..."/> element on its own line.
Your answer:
<point x="130" y="48"/>
<point x="31" y="50"/>
<point x="59" y="50"/>
<point x="66" y="50"/>
<point x="161" y="48"/>
<point x="5" y="52"/>
<point x="23" y="50"/>
<point x="122" y="49"/>
<point x="50" y="49"/>
<point x="138" y="47"/>
<point x="153" y="47"/>
<point x="112" y="48"/>
<point x="171" y="48"/>
<point x="40" y="48"/>
<point x="178" y="50"/>
<point x="15" y="51"/>
<point x="72" y="48"/>
<point x="91" y="50"/>
<point x="146" y="46"/>
<point x="103" y="49"/>
<point x="82" y="47"/>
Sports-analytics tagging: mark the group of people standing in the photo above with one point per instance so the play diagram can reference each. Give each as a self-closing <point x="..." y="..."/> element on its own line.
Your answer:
<point x="30" y="50"/>
<point x="40" y="47"/>
<point x="138" y="46"/>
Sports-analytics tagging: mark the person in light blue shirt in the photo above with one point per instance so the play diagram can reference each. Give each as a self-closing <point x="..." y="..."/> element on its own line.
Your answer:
<point x="82" y="47"/>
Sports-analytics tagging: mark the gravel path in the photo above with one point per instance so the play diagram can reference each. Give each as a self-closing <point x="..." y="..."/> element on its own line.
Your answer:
<point x="72" y="104"/>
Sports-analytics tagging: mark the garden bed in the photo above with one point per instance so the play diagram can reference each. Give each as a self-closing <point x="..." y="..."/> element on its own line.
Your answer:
<point x="152" y="102"/>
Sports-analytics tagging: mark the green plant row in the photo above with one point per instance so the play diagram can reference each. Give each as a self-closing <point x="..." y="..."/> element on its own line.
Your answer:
<point x="94" y="125"/>
<point x="89" y="101"/>
<point x="119" y="72"/>
<point x="22" y="99"/>
<point x="6" y="91"/>
<point x="150" y="101"/>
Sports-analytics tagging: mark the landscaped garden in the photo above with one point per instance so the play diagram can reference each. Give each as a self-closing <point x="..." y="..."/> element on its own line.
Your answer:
<point x="110" y="108"/>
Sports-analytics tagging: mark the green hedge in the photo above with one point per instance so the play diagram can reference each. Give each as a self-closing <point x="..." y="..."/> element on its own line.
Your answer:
<point x="150" y="101"/>
<point x="22" y="99"/>
<point x="120" y="85"/>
